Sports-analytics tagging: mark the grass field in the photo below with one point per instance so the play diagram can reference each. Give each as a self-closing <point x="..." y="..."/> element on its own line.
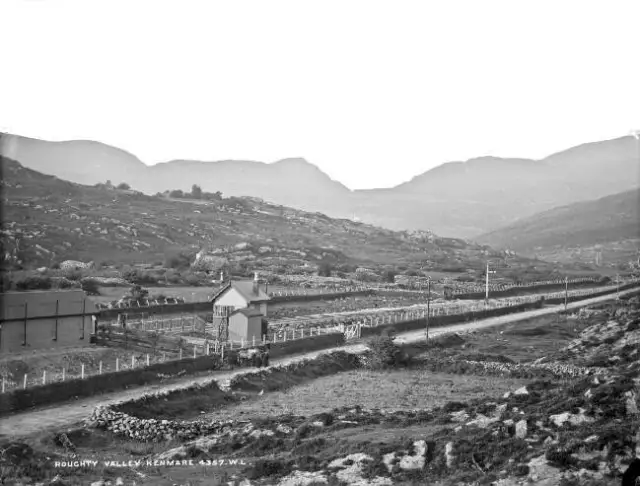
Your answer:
<point x="391" y="390"/>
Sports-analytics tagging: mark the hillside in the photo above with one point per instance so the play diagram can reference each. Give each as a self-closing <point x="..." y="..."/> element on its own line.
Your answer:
<point x="457" y="199"/>
<point x="609" y="222"/>
<point x="289" y="182"/>
<point x="48" y="220"/>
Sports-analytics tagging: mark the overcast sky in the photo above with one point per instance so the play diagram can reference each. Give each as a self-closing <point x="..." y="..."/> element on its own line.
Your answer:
<point x="372" y="92"/>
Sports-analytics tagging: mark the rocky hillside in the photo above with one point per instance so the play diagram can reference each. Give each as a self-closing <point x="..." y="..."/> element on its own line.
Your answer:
<point x="48" y="220"/>
<point x="461" y="199"/>
<point x="576" y="422"/>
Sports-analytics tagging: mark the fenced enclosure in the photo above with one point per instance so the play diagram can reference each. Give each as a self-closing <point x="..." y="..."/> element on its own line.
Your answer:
<point x="147" y="347"/>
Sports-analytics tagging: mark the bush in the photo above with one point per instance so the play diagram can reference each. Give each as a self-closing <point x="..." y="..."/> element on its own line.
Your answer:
<point x="389" y="276"/>
<point x="74" y="275"/>
<point x="34" y="283"/>
<point x="384" y="352"/>
<point x="178" y="260"/>
<point x="192" y="280"/>
<point x="124" y="186"/>
<point x="137" y="292"/>
<point x="90" y="287"/>
<point x="325" y="269"/>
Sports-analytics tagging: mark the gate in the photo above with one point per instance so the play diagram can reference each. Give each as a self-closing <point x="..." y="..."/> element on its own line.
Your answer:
<point x="352" y="331"/>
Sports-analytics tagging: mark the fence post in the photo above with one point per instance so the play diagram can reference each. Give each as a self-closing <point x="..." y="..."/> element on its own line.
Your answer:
<point x="254" y="340"/>
<point x="264" y="338"/>
<point x="63" y="373"/>
<point x="242" y="342"/>
<point x="82" y="371"/>
<point x="164" y="356"/>
<point x="100" y="371"/>
<point x="147" y="359"/>
<point x="180" y="353"/>
<point x="44" y="377"/>
<point x="194" y="351"/>
<point x="285" y="336"/>
<point x="133" y="363"/>
<point x="24" y="384"/>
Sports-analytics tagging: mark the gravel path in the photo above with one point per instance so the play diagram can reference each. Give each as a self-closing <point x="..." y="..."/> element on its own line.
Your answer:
<point x="67" y="414"/>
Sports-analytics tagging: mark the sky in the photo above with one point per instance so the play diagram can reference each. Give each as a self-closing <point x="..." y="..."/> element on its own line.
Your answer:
<point x="372" y="92"/>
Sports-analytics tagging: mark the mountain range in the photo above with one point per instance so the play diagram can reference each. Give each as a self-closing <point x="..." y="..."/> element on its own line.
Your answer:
<point x="610" y="225"/>
<point x="456" y="199"/>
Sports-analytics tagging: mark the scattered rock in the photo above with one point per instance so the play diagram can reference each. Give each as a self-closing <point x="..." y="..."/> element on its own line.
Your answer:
<point x="521" y="429"/>
<point x="448" y="454"/>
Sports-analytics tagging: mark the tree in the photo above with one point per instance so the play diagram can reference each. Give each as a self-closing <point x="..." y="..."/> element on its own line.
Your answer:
<point x="196" y="192"/>
<point x="90" y="287"/>
<point x="124" y="186"/>
<point x="176" y="194"/>
<point x="180" y="260"/>
<point x="389" y="276"/>
<point x="324" y="269"/>
<point x="137" y="292"/>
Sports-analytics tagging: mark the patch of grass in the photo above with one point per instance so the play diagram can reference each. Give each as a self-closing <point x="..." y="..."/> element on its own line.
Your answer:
<point x="395" y="389"/>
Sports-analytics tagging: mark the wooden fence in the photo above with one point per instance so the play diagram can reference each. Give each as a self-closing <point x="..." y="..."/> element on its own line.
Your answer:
<point x="153" y="349"/>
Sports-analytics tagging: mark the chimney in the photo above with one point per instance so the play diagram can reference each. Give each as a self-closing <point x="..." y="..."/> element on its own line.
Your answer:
<point x="255" y="283"/>
<point x="221" y="276"/>
<point x="266" y="288"/>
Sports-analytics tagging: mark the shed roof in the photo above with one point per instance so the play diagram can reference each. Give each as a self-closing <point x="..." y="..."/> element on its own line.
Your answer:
<point x="45" y="303"/>
<point x="244" y="288"/>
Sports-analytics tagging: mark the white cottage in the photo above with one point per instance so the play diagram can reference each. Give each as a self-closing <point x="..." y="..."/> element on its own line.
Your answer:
<point x="240" y="295"/>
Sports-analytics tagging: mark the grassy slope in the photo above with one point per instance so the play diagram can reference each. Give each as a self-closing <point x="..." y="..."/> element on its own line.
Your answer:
<point x="612" y="218"/>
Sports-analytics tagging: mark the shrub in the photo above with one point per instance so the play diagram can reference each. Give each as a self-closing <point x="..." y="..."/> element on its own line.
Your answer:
<point x="264" y="468"/>
<point x="384" y="353"/>
<point x="90" y="287"/>
<point x="325" y="269"/>
<point x="192" y="280"/>
<point x="34" y="283"/>
<point x="177" y="260"/>
<point x="74" y="275"/>
<point x="124" y="186"/>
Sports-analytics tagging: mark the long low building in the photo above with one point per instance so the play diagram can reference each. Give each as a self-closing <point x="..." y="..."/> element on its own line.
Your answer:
<point x="45" y="319"/>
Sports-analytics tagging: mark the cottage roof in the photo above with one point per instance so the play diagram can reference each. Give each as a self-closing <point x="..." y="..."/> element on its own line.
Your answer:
<point x="244" y="288"/>
<point x="248" y="312"/>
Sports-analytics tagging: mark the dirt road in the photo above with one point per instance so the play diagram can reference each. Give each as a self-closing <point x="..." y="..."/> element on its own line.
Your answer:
<point x="67" y="414"/>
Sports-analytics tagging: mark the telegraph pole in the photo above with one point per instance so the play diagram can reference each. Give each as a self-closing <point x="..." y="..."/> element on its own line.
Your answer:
<point x="428" y="304"/>
<point x="486" y="294"/>
<point x="566" y="292"/>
